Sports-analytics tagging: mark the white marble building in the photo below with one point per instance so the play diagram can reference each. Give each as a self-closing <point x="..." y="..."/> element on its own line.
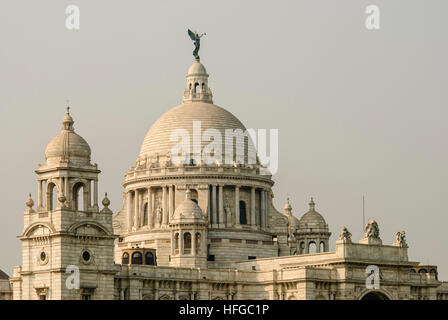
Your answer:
<point x="193" y="231"/>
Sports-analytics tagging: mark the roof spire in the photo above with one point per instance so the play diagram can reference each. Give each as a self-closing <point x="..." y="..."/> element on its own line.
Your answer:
<point x="288" y="207"/>
<point x="67" y="123"/>
<point x="312" y="204"/>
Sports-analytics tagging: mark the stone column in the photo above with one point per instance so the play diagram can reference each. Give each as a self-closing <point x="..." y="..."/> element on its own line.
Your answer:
<point x="67" y="192"/>
<point x="172" y="244"/>
<point x="193" y="242"/>
<point x="136" y="209"/>
<point x="221" y="207"/>
<point x="149" y="208"/>
<point x="87" y="196"/>
<point x="40" y="195"/>
<point x="171" y="201"/>
<point x="129" y="209"/>
<point x="262" y="208"/>
<point x="214" y="211"/>
<point x="141" y="209"/>
<point x="237" y="205"/>
<point x="165" y="211"/>
<point x="181" y="242"/>
<point x="252" y="206"/>
<point x="266" y="197"/>
<point x="95" y="194"/>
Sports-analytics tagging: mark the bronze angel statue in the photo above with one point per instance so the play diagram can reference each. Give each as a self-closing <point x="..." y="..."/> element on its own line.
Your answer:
<point x="197" y="42"/>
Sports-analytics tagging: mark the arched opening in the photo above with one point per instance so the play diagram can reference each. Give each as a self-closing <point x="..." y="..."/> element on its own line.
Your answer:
<point x="203" y="87"/>
<point x="302" y="248"/>
<point x="79" y="202"/>
<point x="145" y="214"/>
<point x="243" y="217"/>
<point x="198" y="243"/>
<point x="195" y="89"/>
<point x="322" y="246"/>
<point x="312" y="248"/>
<point x="149" y="259"/>
<point x="125" y="258"/>
<point x="187" y="243"/>
<point x="194" y="195"/>
<point x="375" y="295"/>
<point x="51" y="196"/>
<point x="412" y="271"/>
<point x="433" y="272"/>
<point x="137" y="258"/>
<point x="422" y="271"/>
<point x="176" y="243"/>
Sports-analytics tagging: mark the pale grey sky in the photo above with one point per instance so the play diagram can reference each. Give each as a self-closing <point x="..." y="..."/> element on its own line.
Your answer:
<point x="358" y="111"/>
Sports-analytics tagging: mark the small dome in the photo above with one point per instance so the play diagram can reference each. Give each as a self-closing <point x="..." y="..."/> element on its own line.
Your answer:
<point x="312" y="219"/>
<point x="67" y="146"/>
<point x="188" y="210"/>
<point x="197" y="68"/>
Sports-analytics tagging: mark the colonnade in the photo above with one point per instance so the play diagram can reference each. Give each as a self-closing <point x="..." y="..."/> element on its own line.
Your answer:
<point x="61" y="186"/>
<point x="154" y="216"/>
<point x="219" y="218"/>
<point x="220" y="213"/>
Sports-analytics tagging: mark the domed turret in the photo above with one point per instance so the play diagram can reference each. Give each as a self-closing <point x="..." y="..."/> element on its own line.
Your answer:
<point x="67" y="146"/>
<point x="197" y="84"/>
<point x="188" y="211"/>
<point x="312" y="233"/>
<point x="312" y="219"/>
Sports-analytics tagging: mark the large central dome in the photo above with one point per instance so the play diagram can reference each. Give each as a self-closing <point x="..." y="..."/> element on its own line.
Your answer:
<point x="157" y="140"/>
<point x="197" y="106"/>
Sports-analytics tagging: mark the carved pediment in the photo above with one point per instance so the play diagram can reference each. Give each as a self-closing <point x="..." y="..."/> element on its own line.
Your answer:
<point x="90" y="230"/>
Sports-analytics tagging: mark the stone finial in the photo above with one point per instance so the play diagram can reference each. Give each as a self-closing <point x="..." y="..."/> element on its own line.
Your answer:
<point x="61" y="201"/>
<point x="67" y="122"/>
<point x="400" y="239"/>
<point x="106" y="203"/>
<point x="345" y="235"/>
<point x="312" y="204"/>
<point x="288" y="207"/>
<point x="30" y="203"/>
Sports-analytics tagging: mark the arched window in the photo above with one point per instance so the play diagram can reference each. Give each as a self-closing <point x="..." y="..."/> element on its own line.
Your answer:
<point x="149" y="259"/>
<point x="51" y="196"/>
<point x="312" y="248"/>
<point x="145" y="214"/>
<point x="196" y="86"/>
<point x="322" y="246"/>
<point x="176" y="243"/>
<point x="194" y="195"/>
<point x="137" y="258"/>
<point x="422" y="271"/>
<point x="187" y="243"/>
<point x="198" y="243"/>
<point x="243" y="217"/>
<point x="125" y="258"/>
<point x="413" y="271"/>
<point x="79" y="203"/>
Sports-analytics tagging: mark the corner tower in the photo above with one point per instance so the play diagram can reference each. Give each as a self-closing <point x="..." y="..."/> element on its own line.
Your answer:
<point x="67" y="242"/>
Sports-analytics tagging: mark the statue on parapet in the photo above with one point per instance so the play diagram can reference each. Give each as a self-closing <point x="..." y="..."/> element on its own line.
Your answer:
<point x="400" y="239"/>
<point x="345" y="235"/>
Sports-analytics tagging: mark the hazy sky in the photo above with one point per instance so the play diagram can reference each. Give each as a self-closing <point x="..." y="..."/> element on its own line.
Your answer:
<point x="358" y="111"/>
